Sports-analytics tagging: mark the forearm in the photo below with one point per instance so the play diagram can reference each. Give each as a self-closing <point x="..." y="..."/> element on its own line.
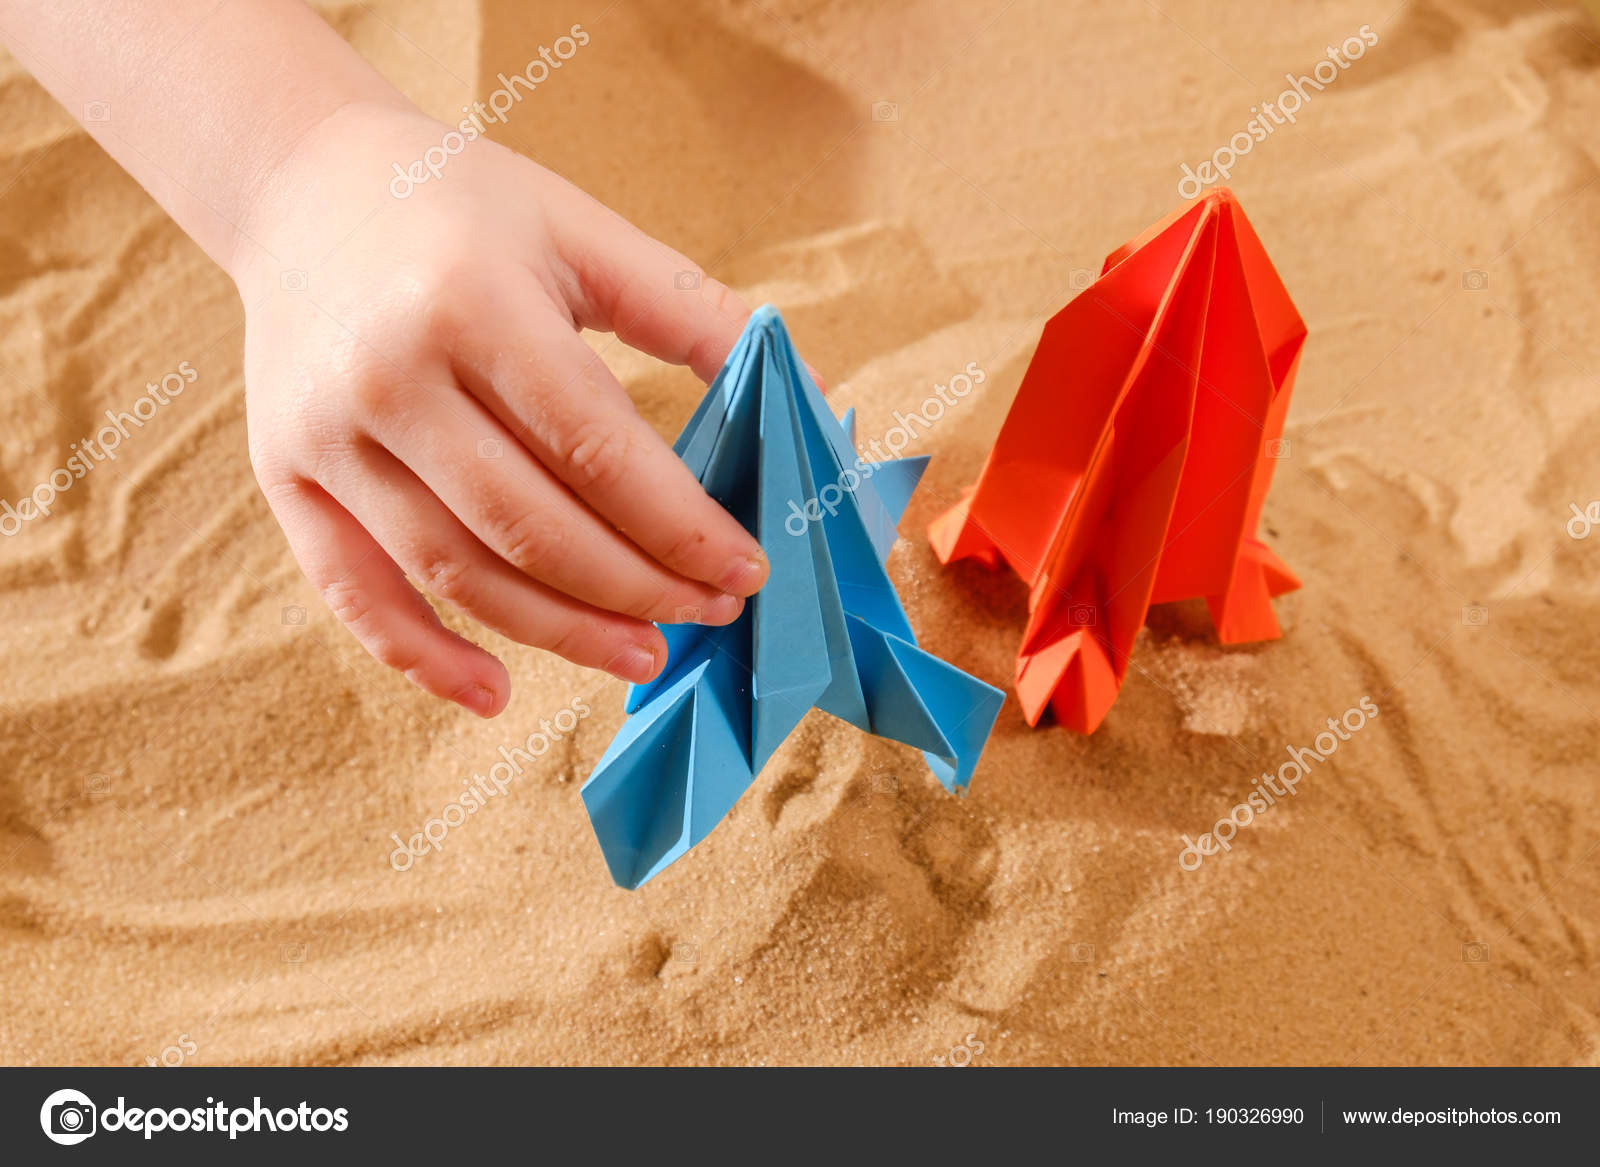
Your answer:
<point x="199" y="101"/>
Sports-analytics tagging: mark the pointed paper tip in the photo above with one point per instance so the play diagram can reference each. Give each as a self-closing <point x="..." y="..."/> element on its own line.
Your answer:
<point x="896" y="481"/>
<point x="637" y="797"/>
<point x="768" y="321"/>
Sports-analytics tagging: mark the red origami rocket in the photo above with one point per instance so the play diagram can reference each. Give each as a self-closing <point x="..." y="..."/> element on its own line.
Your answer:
<point x="1132" y="467"/>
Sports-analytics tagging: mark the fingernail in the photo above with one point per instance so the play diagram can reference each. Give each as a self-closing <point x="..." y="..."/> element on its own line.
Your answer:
<point x="746" y="575"/>
<point x="480" y="700"/>
<point x="634" y="663"/>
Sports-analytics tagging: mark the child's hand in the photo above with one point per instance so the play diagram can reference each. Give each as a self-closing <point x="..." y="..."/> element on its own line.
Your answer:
<point x="420" y="404"/>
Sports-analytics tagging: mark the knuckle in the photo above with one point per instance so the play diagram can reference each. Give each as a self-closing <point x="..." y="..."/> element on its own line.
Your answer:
<point x="686" y="548"/>
<point x="445" y="318"/>
<point x="710" y="347"/>
<point x="528" y="542"/>
<point x="444" y="575"/>
<point x="659" y="601"/>
<point x="392" y="652"/>
<point x="265" y="463"/>
<point x="419" y="675"/>
<point x="597" y="455"/>
<point x="372" y="393"/>
<point x="348" y="601"/>
<point x="325" y="455"/>
<point x="724" y="302"/>
<point x="442" y="305"/>
<point x="574" y="643"/>
<point x="276" y="487"/>
<point x="384" y="641"/>
<point x="278" y="454"/>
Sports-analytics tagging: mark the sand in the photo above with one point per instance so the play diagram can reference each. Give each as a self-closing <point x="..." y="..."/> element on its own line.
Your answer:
<point x="197" y="789"/>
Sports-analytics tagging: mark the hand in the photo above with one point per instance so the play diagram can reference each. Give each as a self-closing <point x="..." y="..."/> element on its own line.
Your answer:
<point x="420" y="404"/>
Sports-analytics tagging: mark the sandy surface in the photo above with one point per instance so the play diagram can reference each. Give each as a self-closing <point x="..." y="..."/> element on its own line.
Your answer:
<point x="197" y="792"/>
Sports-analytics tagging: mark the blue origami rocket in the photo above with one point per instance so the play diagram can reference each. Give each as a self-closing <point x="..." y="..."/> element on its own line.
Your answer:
<point x="826" y="631"/>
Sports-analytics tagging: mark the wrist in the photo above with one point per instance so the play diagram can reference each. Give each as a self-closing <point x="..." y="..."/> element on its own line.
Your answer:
<point x="277" y="223"/>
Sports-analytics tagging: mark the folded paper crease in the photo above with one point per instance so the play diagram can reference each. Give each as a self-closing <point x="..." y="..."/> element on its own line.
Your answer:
<point x="1136" y="457"/>
<point x="827" y="631"/>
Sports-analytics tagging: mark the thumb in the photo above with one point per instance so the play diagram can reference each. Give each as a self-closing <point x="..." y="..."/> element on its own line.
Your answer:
<point x="654" y="299"/>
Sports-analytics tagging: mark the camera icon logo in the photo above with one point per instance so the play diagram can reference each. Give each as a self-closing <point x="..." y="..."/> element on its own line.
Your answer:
<point x="885" y="111"/>
<point x="293" y="953"/>
<point x="293" y="280"/>
<point x="1080" y="953"/>
<point x="1474" y="280"/>
<point x="294" y="614"/>
<point x="1475" y="616"/>
<point x="687" y="281"/>
<point x="1081" y="615"/>
<point x="1278" y="448"/>
<point x="1081" y="278"/>
<point x="491" y="448"/>
<point x="687" y="614"/>
<point x="96" y="111"/>
<point x="97" y="785"/>
<point x="68" y="1117"/>
<point x="1475" y="952"/>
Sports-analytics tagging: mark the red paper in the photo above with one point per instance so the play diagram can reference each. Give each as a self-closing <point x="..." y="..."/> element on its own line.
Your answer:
<point x="1132" y="467"/>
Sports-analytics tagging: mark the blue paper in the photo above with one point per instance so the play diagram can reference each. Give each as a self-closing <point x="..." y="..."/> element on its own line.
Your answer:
<point x="827" y="630"/>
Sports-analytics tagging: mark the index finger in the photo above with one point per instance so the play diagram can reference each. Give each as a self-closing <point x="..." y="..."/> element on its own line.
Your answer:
<point x="555" y="394"/>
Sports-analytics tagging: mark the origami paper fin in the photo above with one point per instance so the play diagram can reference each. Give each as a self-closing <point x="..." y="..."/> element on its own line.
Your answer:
<point x="896" y="481"/>
<point x="826" y="631"/>
<point x="858" y="528"/>
<point x="1136" y="457"/>
<point x="634" y="806"/>
<point x="663" y="786"/>
<point x="830" y="447"/>
<point x="918" y="699"/>
<point x="1244" y="613"/>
